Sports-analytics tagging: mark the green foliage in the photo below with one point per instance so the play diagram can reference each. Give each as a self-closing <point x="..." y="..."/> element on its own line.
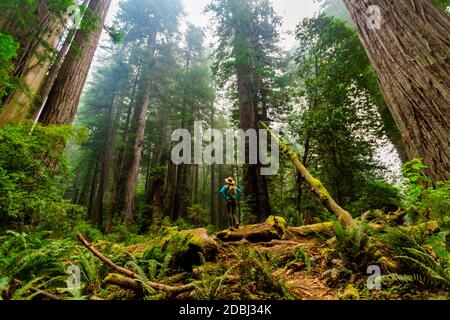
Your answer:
<point x="8" y="50"/>
<point x="378" y="195"/>
<point x="444" y="4"/>
<point x="419" y="263"/>
<point x="29" y="262"/>
<point x="210" y="285"/>
<point x="427" y="199"/>
<point x="198" y="215"/>
<point x="338" y="119"/>
<point x="256" y="278"/>
<point x="159" y="259"/>
<point x="30" y="188"/>
<point x="354" y="248"/>
<point x="301" y="255"/>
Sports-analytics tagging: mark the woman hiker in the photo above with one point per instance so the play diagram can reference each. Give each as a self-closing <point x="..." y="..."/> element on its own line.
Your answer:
<point x="231" y="193"/>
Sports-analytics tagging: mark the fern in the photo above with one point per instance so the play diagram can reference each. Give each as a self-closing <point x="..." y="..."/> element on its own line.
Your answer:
<point x="415" y="261"/>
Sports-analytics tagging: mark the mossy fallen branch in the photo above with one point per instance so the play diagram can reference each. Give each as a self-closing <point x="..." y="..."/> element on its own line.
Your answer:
<point x="130" y="274"/>
<point x="344" y="217"/>
<point x="275" y="228"/>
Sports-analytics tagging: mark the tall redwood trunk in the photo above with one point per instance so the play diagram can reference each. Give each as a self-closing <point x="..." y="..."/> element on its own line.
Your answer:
<point x="411" y="58"/>
<point x="155" y="192"/>
<point x="214" y="200"/>
<point x="51" y="77"/>
<point x="106" y="162"/>
<point x="63" y="100"/>
<point x="256" y="193"/>
<point x="132" y="160"/>
<point x="169" y="190"/>
<point x="32" y="64"/>
<point x="137" y="139"/>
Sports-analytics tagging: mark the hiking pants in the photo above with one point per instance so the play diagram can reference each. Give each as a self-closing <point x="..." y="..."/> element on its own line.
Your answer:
<point x="232" y="212"/>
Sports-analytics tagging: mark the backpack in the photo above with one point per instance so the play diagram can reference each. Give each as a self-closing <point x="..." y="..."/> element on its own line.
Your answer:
<point x="231" y="190"/>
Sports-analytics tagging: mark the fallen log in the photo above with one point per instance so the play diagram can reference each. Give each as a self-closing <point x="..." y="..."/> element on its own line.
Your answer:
<point x="344" y="217"/>
<point x="313" y="229"/>
<point x="155" y="285"/>
<point x="275" y="228"/>
<point x="123" y="282"/>
<point x="328" y="228"/>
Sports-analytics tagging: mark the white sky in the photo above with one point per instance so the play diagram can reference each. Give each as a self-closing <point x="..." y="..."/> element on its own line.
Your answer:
<point x="291" y="11"/>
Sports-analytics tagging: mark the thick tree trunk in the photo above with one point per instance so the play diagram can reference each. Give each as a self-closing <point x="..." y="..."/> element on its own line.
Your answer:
<point x="195" y="198"/>
<point x="411" y="58"/>
<point x="94" y="186"/>
<point x="214" y="186"/>
<point x="51" y="77"/>
<point x="169" y="191"/>
<point x="137" y="138"/>
<point x="106" y="161"/>
<point x="119" y="177"/>
<point x="155" y="192"/>
<point x="63" y="100"/>
<point x="32" y="66"/>
<point x="255" y="186"/>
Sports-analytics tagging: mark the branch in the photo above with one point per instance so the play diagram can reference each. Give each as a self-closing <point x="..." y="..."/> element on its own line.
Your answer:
<point x="132" y="275"/>
<point x="344" y="217"/>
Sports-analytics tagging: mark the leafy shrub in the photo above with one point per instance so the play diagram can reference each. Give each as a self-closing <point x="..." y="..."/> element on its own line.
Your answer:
<point x="8" y="50"/>
<point x="378" y="195"/>
<point x="256" y="276"/>
<point x="31" y="165"/>
<point x="427" y="198"/>
<point x="198" y="215"/>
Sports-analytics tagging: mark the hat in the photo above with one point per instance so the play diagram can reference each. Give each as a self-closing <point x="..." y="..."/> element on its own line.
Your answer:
<point x="229" y="180"/>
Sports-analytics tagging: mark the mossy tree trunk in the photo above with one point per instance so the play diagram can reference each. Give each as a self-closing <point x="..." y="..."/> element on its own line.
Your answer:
<point x="344" y="217"/>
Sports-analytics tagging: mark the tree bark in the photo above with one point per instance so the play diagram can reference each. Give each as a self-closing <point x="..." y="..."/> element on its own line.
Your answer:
<point x="214" y="186"/>
<point x="137" y="137"/>
<point x="106" y="161"/>
<point x="63" y="100"/>
<point x="94" y="186"/>
<point x="411" y="58"/>
<point x="255" y="186"/>
<point x="51" y="77"/>
<point x="32" y="65"/>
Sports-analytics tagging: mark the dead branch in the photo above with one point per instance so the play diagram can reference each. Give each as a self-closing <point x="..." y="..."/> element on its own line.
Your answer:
<point x="155" y="285"/>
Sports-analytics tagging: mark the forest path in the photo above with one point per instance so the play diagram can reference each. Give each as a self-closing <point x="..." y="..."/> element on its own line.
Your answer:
<point x="303" y="279"/>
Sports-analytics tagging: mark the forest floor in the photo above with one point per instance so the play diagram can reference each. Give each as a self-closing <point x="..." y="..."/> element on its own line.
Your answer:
<point x="268" y="261"/>
<point x="302" y="283"/>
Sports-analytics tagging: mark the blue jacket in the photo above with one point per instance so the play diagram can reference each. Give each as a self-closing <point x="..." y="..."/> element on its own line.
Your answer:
<point x="227" y="196"/>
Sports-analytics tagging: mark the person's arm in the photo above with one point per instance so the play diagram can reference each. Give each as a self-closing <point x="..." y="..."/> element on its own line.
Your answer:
<point x="223" y="192"/>
<point x="238" y="193"/>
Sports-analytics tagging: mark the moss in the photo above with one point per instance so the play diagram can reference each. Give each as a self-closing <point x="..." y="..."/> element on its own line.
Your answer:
<point x="313" y="229"/>
<point x="186" y="248"/>
<point x="275" y="228"/>
<point x="350" y="293"/>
